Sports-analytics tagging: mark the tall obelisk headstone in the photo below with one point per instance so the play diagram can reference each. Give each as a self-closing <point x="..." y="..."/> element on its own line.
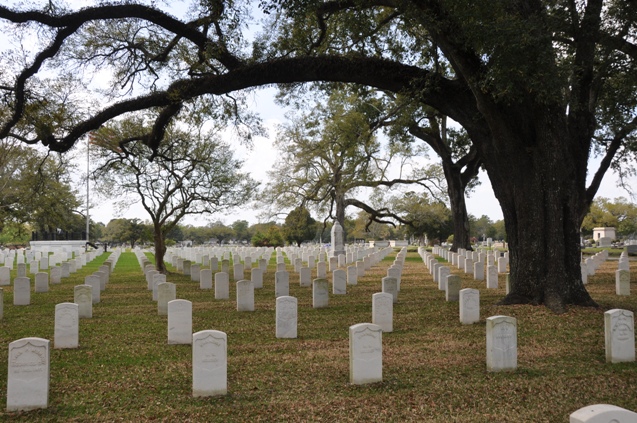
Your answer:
<point x="337" y="247"/>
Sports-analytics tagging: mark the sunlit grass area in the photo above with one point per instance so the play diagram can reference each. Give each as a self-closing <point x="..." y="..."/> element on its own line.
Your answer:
<point x="434" y="368"/>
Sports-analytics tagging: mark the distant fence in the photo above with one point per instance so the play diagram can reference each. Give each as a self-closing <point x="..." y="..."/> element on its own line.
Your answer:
<point x="57" y="236"/>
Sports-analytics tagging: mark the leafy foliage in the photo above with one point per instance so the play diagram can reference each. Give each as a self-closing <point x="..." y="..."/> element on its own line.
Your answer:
<point x="125" y="230"/>
<point x="273" y="237"/>
<point x="425" y="217"/>
<point x="35" y="189"/>
<point x="190" y="174"/>
<point x="299" y="226"/>
<point x="619" y="213"/>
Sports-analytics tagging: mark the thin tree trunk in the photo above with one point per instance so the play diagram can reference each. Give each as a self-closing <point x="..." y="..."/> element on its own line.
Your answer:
<point x="160" y="250"/>
<point x="456" y="191"/>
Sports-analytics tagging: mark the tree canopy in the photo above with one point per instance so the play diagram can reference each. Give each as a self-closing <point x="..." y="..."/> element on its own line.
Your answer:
<point x="618" y="213"/>
<point x="539" y="87"/>
<point x="331" y="153"/>
<point x="299" y="226"/>
<point x="36" y="189"/>
<point x="191" y="174"/>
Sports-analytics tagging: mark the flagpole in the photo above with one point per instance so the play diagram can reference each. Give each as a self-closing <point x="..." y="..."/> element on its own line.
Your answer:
<point x="87" y="190"/>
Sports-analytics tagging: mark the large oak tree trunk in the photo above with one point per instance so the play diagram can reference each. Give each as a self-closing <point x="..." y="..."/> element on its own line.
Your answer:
<point x="540" y="183"/>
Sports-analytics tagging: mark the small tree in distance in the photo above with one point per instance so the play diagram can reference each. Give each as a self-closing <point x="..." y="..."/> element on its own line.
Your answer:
<point x="270" y="238"/>
<point x="299" y="226"/>
<point x="189" y="174"/>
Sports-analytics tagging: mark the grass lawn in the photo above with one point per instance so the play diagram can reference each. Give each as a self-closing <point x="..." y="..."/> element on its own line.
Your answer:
<point x="434" y="368"/>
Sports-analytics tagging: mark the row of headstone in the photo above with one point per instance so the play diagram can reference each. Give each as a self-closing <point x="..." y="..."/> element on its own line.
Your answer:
<point x="620" y="342"/>
<point x="249" y="255"/>
<point x="28" y="372"/>
<point x="591" y="264"/>
<point x="40" y="258"/>
<point x="22" y="284"/>
<point x="440" y="271"/>
<point x="465" y="260"/>
<point x="622" y="275"/>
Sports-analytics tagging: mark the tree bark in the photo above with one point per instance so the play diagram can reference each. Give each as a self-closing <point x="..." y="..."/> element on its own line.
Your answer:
<point x="537" y="177"/>
<point x="160" y="250"/>
<point x="456" y="191"/>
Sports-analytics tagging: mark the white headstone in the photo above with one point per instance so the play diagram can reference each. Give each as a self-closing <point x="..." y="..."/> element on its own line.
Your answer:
<point x="256" y="276"/>
<point x="395" y="272"/>
<point x="281" y="284"/>
<point x="237" y="270"/>
<point x="28" y="374"/>
<point x="333" y="264"/>
<point x="94" y="282"/>
<point x="365" y="353"/>
<point x="22" y="270"/>
<point x="468" y="265"/>
<point x="339" y="282"/>
<point x="492" y="277"/>
<point x="222" y="286"/>
<point x="321" y="270"/>
<point x="157" y="279"/>
<point x="502" y="264"/>
<point x="619" y="333"/>
<point x="166" y="291"/>
<point x="469" y="306"/>
<point x="603" y="413"/>
<point x="21" y="291"/>
<point x="5" y="276"/>
<point x="66" y="269"/>
<point x="502" y="343"/>
<point x="195" y="272"/>
<point x="179" y="322"/>
<point x="150" y="277"/>
<point x="622" y="282"/>
<point x="286" y="317"/>
<point x="390" y="286"/>
<point x="443" y="272"/>
<point x="205" y="279"/>
<point x="263" y="265"/>
<point x="305" y="276"/>
<point x="187" y="266"/>
<point x="383" y="311"/>
<point x="55" y="275"/>
<point x="352" y="275"/>
<point x="83" y="297"/>
<point x="584" y="271"/>
<point x="34" y="267"/>
<point x="360" y="269"/>
<point x="103" y="278"/>
<point x="214" y="264"/>
<point x="478" y="271"/>
<point x="245" y="296"/>
<point x="320" y="296"/>
<point x="209" y="363"/>
<point x="454" y="284"/>
<point x="67" y="326"/>
<point x="41" y="282"/>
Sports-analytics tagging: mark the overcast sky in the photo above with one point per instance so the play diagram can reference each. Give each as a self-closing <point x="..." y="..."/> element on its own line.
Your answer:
<point x="262" y="156"/>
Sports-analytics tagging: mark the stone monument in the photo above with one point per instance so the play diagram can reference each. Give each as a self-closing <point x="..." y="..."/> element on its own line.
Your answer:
<point x="337" y="247"/>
